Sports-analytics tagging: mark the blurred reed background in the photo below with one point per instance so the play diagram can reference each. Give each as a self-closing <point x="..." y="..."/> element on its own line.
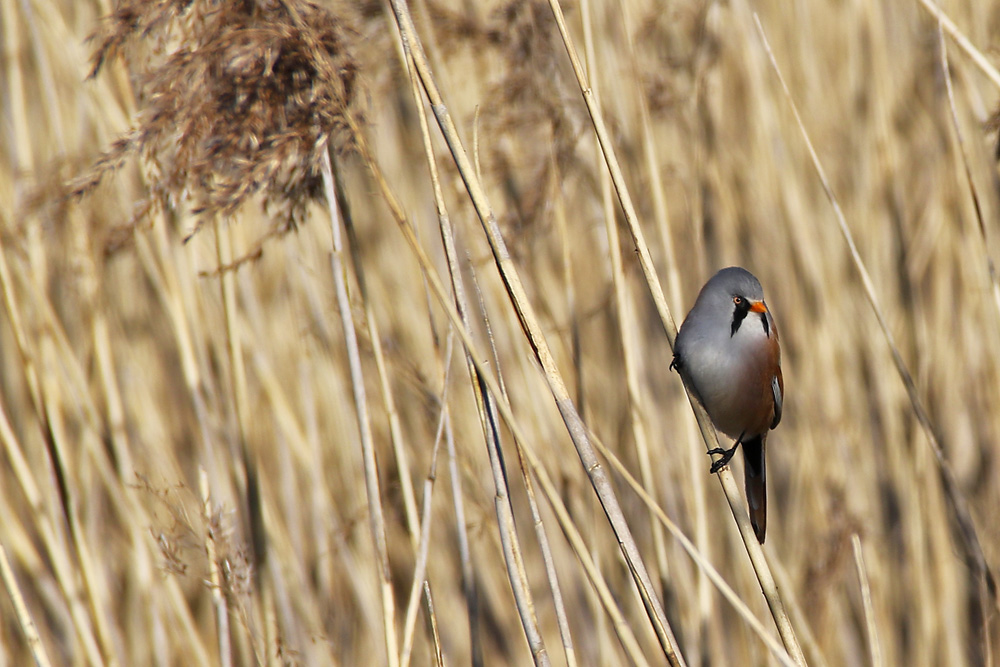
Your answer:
<point x="142" y="385"/>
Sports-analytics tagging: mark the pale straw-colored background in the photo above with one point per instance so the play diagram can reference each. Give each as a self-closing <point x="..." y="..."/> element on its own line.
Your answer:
<point x="126" y="347"/>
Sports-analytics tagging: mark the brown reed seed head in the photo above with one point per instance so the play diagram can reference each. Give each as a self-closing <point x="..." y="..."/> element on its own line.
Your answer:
<point x="235" y="99"/>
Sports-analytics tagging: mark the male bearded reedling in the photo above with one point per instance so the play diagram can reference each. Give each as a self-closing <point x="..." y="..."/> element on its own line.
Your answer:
<point x="727" y="353"/>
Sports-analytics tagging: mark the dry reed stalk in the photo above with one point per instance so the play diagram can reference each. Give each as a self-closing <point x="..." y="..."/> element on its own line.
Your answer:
<point x="866" y="598"/>
<point x="23" y="615"/>
<point x="621" y="626"/>
<point x="469" y="588"/>
<point x="536" y="338"/>
<point x="126" y="504"/>
<point x="963" y="42"/>
<point x="812" y="651"/>
<point x="420" y="582"/>
<point x="218" y="598"/>
<point x="966" y="528"/>
<point x="548" y="560"/>
<point x="241" y="123"/>
<point x="581" y="397"/>
<point x="159" y="263"/>
<point x="629" y="642"/>
<point x="455" y="274"/>
<point x="625" y="320"/>
<point x="729" y="158"/>
<point x="754" y="550"/>
<point x="661" y="218"/>
<point x="319" y="493"/>
<point x="155" y="260"/>
<point x="986" y="590"/>
<point x="395" y="431"/>
<point x="699" y="558"/>
<point x="494" y="388"/>
<point x="61" y="560"/>
<point x="134" y="514"/>
<point x="43" y="391"/>
<point x="432" y="626"/>
<point x="513" y="556"/>
<point x="374" y="495"/>
<point x="267" y="646"/>
<point x="559" y="214"/>
<point x="662" y="221"/>
<point x="991" y="272"/>
<point x="536" y="517"/>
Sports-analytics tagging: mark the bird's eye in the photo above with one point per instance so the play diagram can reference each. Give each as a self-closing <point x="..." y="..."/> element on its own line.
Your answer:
<point x="738" y="300"/>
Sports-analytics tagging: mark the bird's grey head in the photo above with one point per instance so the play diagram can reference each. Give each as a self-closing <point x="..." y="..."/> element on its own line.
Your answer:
<point x="731" y="295"/>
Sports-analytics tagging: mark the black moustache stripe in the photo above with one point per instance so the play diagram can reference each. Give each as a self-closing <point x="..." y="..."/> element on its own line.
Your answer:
<point x="739" y="315"/>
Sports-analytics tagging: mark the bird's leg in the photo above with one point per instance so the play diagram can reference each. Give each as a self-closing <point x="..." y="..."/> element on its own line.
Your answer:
<point x="727" y="455"/>
<point x="675" y="364"/>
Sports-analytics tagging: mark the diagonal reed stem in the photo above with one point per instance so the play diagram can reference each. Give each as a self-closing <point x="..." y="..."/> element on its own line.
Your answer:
<point x="375" y="516"/>
<point x="533" y="330"/>
<point x="966" y="527"/>
<point x="754" y="549"/>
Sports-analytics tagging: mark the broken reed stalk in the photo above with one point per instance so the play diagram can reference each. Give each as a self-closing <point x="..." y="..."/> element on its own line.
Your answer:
<point x="374" y="495"/>
<point x="539" y="345"/>
<point x="753" y="547"/>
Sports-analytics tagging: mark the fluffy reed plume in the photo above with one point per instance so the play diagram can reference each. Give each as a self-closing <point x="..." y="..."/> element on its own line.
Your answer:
<point x="234" y="99"/>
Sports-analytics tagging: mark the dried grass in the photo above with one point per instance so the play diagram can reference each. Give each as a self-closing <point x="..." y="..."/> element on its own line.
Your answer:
<point x="117" y="388"/>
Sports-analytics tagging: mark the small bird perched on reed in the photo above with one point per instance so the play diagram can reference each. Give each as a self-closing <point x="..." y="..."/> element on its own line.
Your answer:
<point x="728" y="356"/>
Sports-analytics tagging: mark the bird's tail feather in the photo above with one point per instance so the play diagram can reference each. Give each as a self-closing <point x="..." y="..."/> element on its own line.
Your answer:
<point x="756" y="484"/>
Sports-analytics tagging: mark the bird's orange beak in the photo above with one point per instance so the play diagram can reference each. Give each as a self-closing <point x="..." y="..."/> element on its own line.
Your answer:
<point x="758" y="307"/>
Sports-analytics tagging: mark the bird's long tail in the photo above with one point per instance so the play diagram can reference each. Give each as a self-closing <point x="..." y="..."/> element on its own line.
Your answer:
<point x="756" y="484"/>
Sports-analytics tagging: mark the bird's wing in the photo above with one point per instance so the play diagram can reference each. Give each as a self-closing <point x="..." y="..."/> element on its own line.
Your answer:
<point x="777" y="390"/>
